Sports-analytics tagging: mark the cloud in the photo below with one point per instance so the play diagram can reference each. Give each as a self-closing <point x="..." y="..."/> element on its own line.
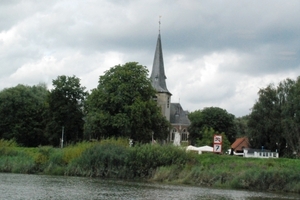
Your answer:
<point x="216" y="53"/>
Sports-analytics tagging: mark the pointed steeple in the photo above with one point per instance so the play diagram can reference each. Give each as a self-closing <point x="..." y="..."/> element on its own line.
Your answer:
<point x="158" y="77"/>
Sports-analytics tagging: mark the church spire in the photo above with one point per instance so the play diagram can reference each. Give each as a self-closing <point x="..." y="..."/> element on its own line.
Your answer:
<point x="158" y="77"/>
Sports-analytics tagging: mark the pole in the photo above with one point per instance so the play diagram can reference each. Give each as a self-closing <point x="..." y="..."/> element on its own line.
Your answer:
<point x="152" y="137"/>
<point x="62" y="137"/>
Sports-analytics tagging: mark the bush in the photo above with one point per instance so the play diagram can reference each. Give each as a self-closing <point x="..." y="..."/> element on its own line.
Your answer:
<point x="105" y="160"/>
<point x="143" y="160"/>
<point x="16" y="162"/>
<point x="74" y="151"/>
<point x="8" y="143"/>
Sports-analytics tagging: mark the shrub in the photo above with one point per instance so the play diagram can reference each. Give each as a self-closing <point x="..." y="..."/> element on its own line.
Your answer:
<point x="16" y="162"/>
<point x="74" y="151"/>
<point x="8" y="143"/>
<point x="105" y="160"/>
<point x="143" y="160"/>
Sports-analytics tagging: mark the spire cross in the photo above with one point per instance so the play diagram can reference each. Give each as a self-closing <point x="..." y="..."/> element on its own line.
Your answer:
<point x="159" y="24"/>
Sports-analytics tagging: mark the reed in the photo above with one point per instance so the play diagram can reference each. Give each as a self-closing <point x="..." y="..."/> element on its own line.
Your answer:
<point x="15" y="161"/>
<point x="101" y="160"/>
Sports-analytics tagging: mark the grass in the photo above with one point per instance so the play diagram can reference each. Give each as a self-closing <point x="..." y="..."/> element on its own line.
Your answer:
<point x="242" y="173"/>
<point x="113" y="158"/>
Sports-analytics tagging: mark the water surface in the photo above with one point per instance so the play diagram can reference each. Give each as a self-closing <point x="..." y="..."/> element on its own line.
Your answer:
<point x="33" y="187"/>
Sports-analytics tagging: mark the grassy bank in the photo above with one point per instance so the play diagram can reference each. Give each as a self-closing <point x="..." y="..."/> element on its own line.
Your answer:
<point x="237" y="173"/>
<point x="114" y="159"/>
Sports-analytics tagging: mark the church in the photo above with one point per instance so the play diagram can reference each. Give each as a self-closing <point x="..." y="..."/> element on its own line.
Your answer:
<point x="173" y="112"/>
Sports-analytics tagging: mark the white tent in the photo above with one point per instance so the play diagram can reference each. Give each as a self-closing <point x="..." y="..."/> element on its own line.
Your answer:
<point x="200" y="149"/>
<point x="206" y="148"/>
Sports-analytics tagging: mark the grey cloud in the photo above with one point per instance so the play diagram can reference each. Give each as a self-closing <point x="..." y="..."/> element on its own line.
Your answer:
<point x="261" y="38"/>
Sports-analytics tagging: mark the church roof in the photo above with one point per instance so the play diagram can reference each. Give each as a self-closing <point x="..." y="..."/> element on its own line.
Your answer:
<point x="178" y="115"/>
<point x="158" y="77"/>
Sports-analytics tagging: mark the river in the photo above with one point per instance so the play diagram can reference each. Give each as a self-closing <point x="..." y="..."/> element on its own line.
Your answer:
<point x="33" y="187"/>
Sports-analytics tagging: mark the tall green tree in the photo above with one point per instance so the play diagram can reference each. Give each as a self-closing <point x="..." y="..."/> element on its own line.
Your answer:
<point x="265" y="120"/>
<point x="289" y="93"/>
<point x="212" y="117"/>
<point x="122" y="106"/>
<point x="66" y="114"/>
<point x="22" y="113"/>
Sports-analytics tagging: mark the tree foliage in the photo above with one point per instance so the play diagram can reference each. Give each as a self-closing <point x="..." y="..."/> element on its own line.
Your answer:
<point x="212" y="117"/>
<point x="207" y="137"/>
<point x="241" y="124"/>
<point x="275" y="118"/>
<point x="66" y="109"/>
<point x="265" y="119"/>
<point x="289" y="94"/>
<point x="22" y="112"/>
<point x="122" y="105"/>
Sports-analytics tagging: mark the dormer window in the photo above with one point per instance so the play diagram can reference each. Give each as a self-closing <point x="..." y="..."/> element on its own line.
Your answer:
<point x="156" y="77"/>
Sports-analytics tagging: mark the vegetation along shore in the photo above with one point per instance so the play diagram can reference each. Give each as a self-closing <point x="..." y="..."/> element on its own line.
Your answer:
<point x="113" y="158"/>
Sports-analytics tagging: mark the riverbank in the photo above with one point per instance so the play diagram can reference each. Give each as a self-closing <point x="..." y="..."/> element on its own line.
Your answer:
<point x="167" y="164"/>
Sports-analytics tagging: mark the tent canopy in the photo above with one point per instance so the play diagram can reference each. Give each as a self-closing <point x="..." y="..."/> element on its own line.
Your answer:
<point x="200" y="149"/>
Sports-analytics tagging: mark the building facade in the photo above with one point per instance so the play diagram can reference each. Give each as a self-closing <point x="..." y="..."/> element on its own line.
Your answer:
<point x="173" y="112"/>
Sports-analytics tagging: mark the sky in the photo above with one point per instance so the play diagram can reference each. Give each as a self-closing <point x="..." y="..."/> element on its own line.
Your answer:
<point x="216" y="53"/>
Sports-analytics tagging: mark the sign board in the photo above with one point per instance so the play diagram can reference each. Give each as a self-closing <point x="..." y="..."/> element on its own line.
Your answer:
<point x="217" y="139"/>
<point x="218" y="148"/>
<point x="218" y="143"/>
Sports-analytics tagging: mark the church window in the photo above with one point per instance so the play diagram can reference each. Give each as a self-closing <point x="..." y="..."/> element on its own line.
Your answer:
<point x="184" y="135"/>
<point x="168" y="105"/>
<point x="174" y="130"/>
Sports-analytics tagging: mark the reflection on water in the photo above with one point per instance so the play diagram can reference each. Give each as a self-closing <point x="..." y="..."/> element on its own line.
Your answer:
<point x="20" y="186"/>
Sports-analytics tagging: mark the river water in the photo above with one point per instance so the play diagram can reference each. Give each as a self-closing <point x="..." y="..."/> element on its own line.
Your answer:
<point x="33" y="187"/>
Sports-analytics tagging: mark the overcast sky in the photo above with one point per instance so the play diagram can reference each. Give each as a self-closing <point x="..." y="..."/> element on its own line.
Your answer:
<point x="216" y="53"/>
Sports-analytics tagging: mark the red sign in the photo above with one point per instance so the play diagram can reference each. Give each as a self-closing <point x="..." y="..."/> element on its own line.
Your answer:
<point x="217" y="139"/>
<point x="218" y="143"/>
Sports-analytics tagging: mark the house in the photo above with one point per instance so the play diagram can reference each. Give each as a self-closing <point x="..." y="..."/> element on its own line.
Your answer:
<point x="173" y="112"/>
<point x="239" y="145"/>
<point x="260" y="153"/>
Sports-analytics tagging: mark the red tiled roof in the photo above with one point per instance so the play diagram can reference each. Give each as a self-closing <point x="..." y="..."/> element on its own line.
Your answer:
<point x="240" y="143"/>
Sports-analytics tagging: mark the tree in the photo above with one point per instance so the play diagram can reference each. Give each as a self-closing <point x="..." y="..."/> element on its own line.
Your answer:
<point x="207" y="137"/>
<point x="212" y="117"/>
<point x="241" y="124"/>
<point x="66" y="101"/>
<point x="289" y="93"/>
<point x="265" y="120"/>
<point x="275" y="118"/>
<point x="122" y="106"/>
<point x="22" y="113"/>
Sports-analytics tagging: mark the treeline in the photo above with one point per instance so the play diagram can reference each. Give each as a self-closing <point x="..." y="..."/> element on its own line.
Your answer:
<point x="274" y="121"/>
<point x="33" y="115"/>
<point x="122" y="105"/>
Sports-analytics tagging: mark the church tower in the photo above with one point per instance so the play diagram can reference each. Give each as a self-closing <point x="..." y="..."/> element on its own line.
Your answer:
<point x="158" y="79"/>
